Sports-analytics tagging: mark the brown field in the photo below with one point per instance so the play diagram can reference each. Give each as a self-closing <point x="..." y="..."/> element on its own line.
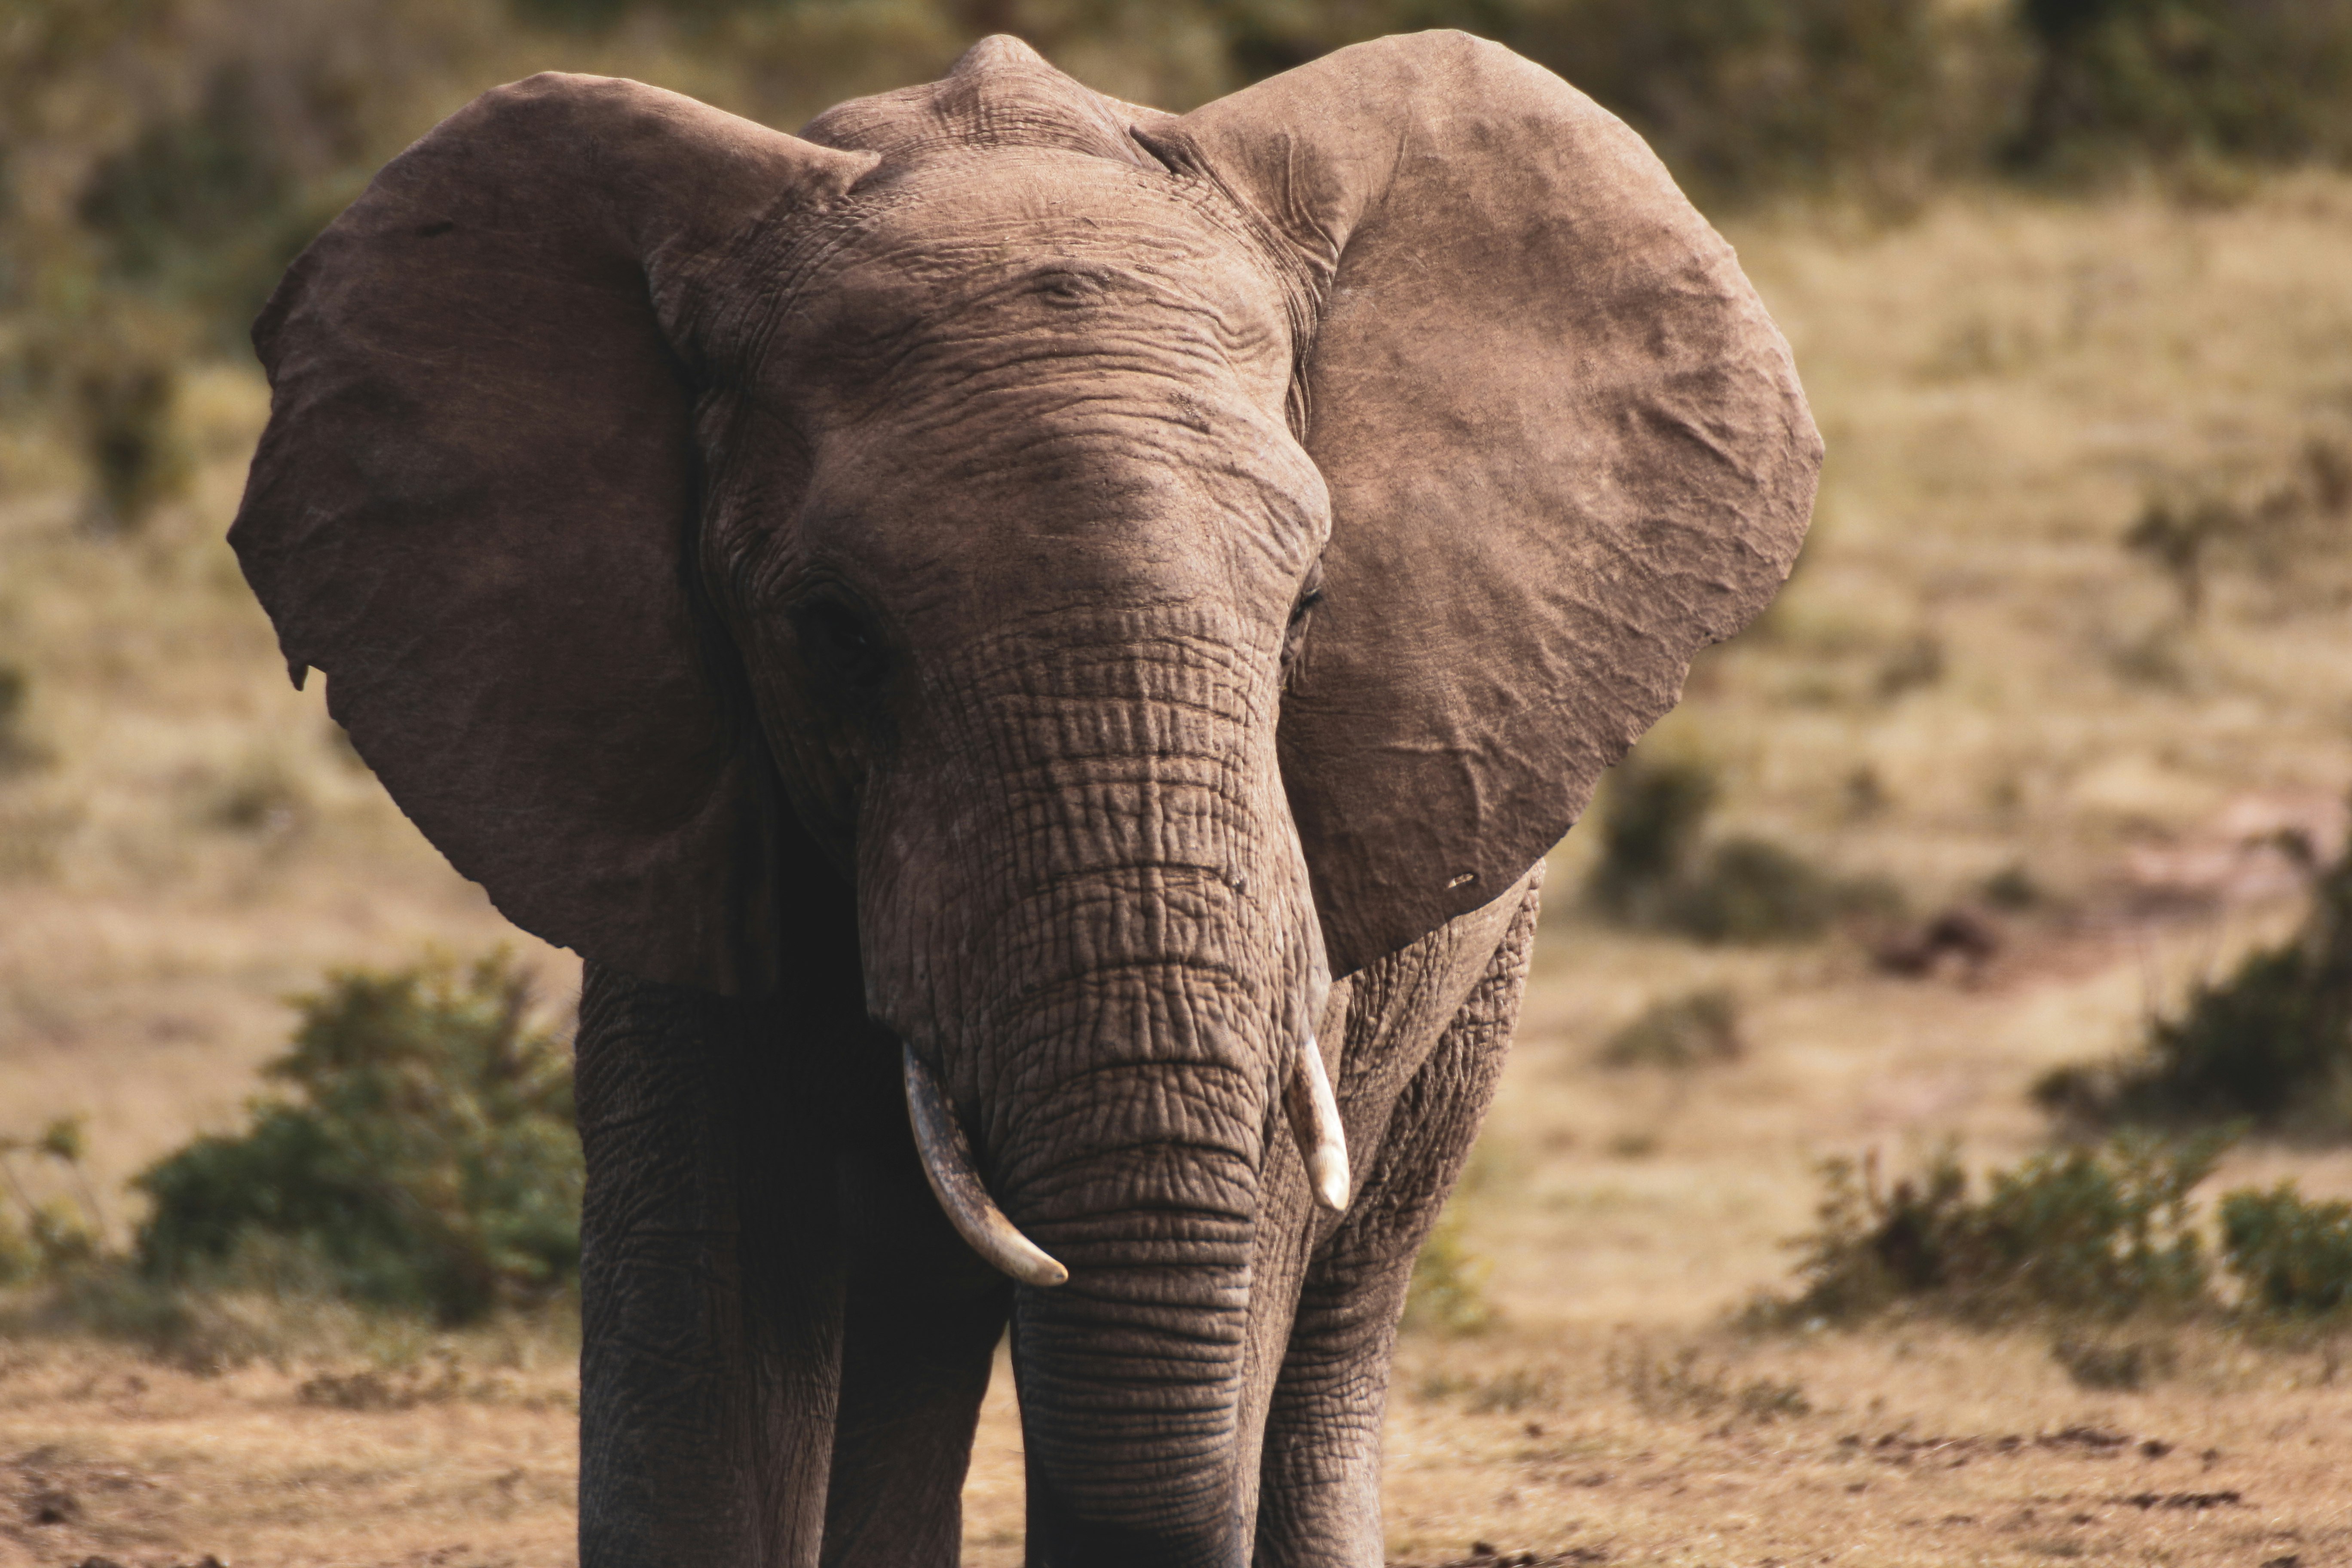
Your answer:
<point x="1969" y="674"/>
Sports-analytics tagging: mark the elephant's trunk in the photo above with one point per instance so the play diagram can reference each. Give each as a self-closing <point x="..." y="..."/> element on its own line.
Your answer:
<point x="1095" y="936"/>
<point x="1131" y="1373"/>
<point x="1139" y="1177"/>
<point x="1308" y="1103"/>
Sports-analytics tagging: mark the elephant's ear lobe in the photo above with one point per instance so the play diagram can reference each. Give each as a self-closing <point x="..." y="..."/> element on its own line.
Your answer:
<point x="1566" y="449"/>
<point x="472" y="506"/>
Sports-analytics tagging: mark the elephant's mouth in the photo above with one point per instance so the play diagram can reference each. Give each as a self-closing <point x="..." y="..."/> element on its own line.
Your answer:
<point x="1308" y="1103"/>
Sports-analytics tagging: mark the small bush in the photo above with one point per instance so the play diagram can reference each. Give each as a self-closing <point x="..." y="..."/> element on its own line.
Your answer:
<point x="1515" y="1392"/>
<point x="2104" y="1363"/>
<point x="425" y="1158"/>
<point x="19" y="752"/>
<point x="204" y="179"/>
<point x="1447" y="1293"/>
<point x="1749" y="890"/>
<point x="390" y="1388"/>
<point x="2271" y="1045"/>
<point x="48" y="1239"/>
<point x="2293" y="1257"/>
<point x="2013" y="888"/>
<point x="1918" y="663"/>
<point x="203" y="209"/>
<point x="1740" y="96"/>
<point x="2103" y="1231"/>
<point x="258" y="796"/>
<point x="1510" y="1393"/>
<point x="2091" y="1233"/>
<point x="2245" y="79"/>
<point x="1656" y="870"/>
<point x="1683" y="1386"/>
<point x="133" y="444"/>
<point x="2276" y="533"/>
<point x="1682" y="1032"/>
<point x="2176" y="537"/>
<point x="1650" y="821"/>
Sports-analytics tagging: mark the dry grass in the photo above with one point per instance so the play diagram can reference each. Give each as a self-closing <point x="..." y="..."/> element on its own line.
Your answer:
<point x="2004" y="383"/>
<point x="201" y="844"/>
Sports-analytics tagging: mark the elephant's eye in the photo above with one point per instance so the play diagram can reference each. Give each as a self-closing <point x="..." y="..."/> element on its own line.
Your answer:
<point x="842" y="645"/>
<point x="1302" y="613"/>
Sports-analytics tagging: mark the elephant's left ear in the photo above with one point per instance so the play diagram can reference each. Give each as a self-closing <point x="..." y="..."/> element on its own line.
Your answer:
<point x="1565" y="445"/>
<point x="475" y="504"/>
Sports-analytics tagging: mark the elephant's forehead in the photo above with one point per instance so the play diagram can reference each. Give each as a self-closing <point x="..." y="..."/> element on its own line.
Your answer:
<point x="972" y="203"/>
<point x="1053" y="246"/>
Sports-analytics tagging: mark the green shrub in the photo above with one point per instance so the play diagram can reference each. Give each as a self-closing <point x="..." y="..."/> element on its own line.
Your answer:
<point x="2013" y="888"/>
<point x="2106" y="1362"/>
<point x="48" y="1239"/>
<point x="189" y="184"/>
<point x="1915" y="664"/>
<point x="1686" y="1386"/>
<point x="1447" y="1293"/>
<point x="2175" y="536"/>
<point x="2103" y="1231"/>
<point x="204" y="210"/>
<point x="1652" y="818"/>
<point x="1749" y="889"/>
<point x="19" y="752"/>
<point x="1679" y="1032"/>
<point x="2293" y="1257"/>
<point x="424" y="1159"/>
<point x="2271" y="1045"/>
<point x="1656" y="868"/>
<point x="2277" y="533"/>
<point x="125" y="400"/>
<point x="2093" y="1232"/>
<point x="2247" y="78"/>
<point x="1741" y="96"/>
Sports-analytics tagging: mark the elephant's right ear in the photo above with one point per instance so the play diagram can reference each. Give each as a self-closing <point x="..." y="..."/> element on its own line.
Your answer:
<point x="1566" y="449"/>
<point x="475" y="500"/>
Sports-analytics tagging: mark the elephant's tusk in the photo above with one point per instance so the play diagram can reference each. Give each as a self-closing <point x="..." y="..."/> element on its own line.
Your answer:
<point x="946" y="1161"/>
<point x="1315" y="1122"/>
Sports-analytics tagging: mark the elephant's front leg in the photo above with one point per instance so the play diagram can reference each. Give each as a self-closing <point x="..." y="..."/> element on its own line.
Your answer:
<point x="922" y="1320"/>
<point x="711" y="1286"/>
<point x="1320" y="1501"/>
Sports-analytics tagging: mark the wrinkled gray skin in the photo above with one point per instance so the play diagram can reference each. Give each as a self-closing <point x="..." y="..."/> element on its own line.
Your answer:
<point x="1079" y="885"/>
<point x="760" y="1375"/>
<point x="861" y="591"/>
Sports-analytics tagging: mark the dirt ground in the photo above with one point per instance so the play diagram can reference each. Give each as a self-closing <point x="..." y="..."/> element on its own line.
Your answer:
<point x="1582" y="1446"/>
<point x="1969" y="675"/>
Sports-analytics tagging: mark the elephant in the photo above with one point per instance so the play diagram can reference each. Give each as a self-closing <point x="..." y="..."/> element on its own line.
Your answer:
<point x="1035" y="648"/>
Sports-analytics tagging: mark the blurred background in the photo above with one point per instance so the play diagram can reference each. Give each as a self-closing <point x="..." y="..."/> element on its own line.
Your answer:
<point x="2018" y="821"/>
<point x="164" y="159"/>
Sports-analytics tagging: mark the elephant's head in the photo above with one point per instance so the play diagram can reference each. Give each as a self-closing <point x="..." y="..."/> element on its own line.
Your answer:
<point x="1160" y="563"/>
